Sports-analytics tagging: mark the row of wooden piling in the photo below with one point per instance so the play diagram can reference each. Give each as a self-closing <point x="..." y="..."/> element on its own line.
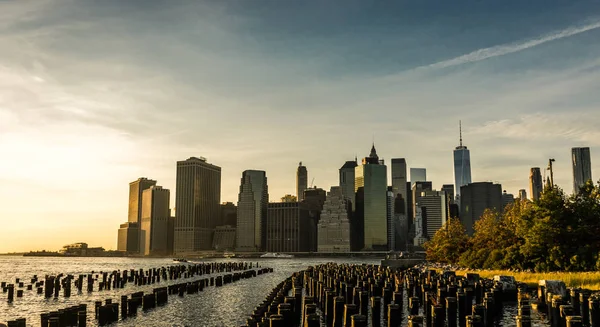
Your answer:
<point x="362" y="295"/>
<point x="573" y="308"/>
<point x="51" y="286"/>
<point x="108" y="312"/>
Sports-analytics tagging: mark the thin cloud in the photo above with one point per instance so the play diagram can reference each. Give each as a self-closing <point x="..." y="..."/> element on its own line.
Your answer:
<point x="504" y="49"/>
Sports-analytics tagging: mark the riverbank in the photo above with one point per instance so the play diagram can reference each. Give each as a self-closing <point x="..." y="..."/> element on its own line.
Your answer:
<point x="589" y="280"/>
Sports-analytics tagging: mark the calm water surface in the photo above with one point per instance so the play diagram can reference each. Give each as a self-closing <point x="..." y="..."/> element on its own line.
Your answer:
<point x="225" y="306"/>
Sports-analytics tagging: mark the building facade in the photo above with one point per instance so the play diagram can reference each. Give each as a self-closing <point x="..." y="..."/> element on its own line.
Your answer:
<point x="475" y="199"/>
<point x="347" y="179"/>
<point x="522" y="194"/>
<point x="197" y="199"/>
<point x="462" y="166"/>
<point x="417" y="191"/>
<point x="224" y="238"/>
<point x="301" y="181"/>
<point x="434" y="211"/>
<point x="314" y="199"/>
<point x="334" y="225"/>
<point x="418" y="175"/>
<point x="507" y="199"/>
<point x="582" y="167"/>
<point x="536" y="185"/>
<point x="136" y="188"/>
<point x="287" y="228"/>
<point x="154" y="228"/>
<point x="252" y="211"/>
<point x="128" y="239"/>
<point x="371" y="176"/>
<point x="228" y="214"/>
<point x="391" y="220"/>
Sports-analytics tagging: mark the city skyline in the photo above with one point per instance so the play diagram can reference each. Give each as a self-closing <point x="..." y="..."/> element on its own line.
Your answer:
<point x="90" y="102"/>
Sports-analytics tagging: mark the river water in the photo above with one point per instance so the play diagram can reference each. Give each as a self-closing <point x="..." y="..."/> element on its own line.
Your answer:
<point x="214" y="307"/>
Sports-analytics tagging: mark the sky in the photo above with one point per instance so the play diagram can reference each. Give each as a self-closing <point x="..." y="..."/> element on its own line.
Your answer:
<point x="95" y="94"/>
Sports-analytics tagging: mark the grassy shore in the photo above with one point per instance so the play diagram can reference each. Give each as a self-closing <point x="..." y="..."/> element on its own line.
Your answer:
<point x="589" y="280"/>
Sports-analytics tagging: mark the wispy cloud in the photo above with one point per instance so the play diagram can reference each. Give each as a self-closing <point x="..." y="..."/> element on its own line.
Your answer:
<point x="504" y="49"/>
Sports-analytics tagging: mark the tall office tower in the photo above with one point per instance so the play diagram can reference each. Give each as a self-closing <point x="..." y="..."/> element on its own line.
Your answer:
<point x="391" y="224"/>
<point x="417" y="190"/>
<point x="522" y="194"/>
<point x="475" y="198"/>
<point x="135" y="198"/>
<point x="507" y="199"/>
<point x="228" y="214"/>
<point x="399" y="178"/>
<point x="371" y="176"/>
<point x="347" y="181"/>
<point x="535" y="183"/>
<point x="418" y="175"/>
<point x="252" y="211"/>
<point x="410" y="215"/>
<point x="154" y="228"/>
<point x="287" y="227"/>
<point x="462" y="165"/>
<point x="314" y="198"/>
<point x="433" y="205"/>
<point x="197" y="198"/>
<point x="334" y="225"/>
<point x="582" y="167"/>
<point x="301" y="181"/>
<point x="449" y="190"/>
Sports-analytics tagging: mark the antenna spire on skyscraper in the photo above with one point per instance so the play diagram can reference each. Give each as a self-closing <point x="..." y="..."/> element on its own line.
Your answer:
<point x="460" y="131"/>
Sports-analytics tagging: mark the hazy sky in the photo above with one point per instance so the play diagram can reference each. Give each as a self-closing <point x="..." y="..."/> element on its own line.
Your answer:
<point x="94" y="94"/>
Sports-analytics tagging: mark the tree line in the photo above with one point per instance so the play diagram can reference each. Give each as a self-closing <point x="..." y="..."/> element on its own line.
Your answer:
<point x="555" y="233"/>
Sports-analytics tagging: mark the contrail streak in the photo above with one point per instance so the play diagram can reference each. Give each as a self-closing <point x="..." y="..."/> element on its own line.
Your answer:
<point x="503" y="49"/>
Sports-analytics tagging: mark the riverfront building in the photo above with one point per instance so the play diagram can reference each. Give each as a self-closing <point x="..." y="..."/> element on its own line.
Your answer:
<point x="475" y="199"/>
<point x="128" y="238"/>
<point x="371" y="178"/>
<point x="301" y="181"/>
<point x="224" y="238"/>
<point x="582" y="167"/>
<point x="334" y="225"/>
<point x="197" y="198"/>
<point x="287" y="228"/>
<point x="252" y="211"/>
<point x="154" y="228"/>
<point x="535" y="183"/>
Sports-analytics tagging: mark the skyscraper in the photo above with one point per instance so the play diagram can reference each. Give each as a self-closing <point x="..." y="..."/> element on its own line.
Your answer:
<point x="462" y="165"/>
<point x="301" y="181"/>
<point x="371" y="176"/>
<point x="252" y="210"/>
<point x="391" y="223"/>
<point x="418" y="175"/>
<point x="154" y="228"/>
<point x="507" y="199"/>
<point x="334" y="225"/>
<point x="417" y="191"/>
<point x="535" y="183"/>
<point x="347" y="180"/>
<point x="522" y="194"/>
<point x="314" y="198"/>
<point x="582" y="167"/>
<point x="434" y="205"/>
<point x="197" y="198"/>
<point x="399" y="178"/>
<point x="135" y="198"/>
<point x="287" y="228"/>
<point x="475" y="198"/>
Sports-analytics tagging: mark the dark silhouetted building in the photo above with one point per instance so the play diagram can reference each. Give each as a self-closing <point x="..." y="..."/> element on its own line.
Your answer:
<point x="129" y="238"/>
<point x="197" y="199"/>
<point x="224" y="238"/>
<point x="475" y="199"/>
<point x="252" y="211"/>
<point x="536" y="184"/>
<point x="314" y="198"/>
<point x="301" y="181"/>
<point x="582" y="167"/>
<point x="507" y="199"/>
<point x="347" y="179"/>
<point x="228" y="214"/>
<point x="522" y="194"/>
<point x="287" y="228"/>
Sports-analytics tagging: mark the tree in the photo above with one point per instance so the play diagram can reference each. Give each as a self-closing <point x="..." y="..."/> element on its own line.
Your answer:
<point x="448" y="242"/>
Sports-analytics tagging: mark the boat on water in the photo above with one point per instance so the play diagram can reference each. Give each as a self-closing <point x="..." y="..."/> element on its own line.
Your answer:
<point x="180" y="260"/>
<point x="277" y="255"/>
<point x="228" y="255"/>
